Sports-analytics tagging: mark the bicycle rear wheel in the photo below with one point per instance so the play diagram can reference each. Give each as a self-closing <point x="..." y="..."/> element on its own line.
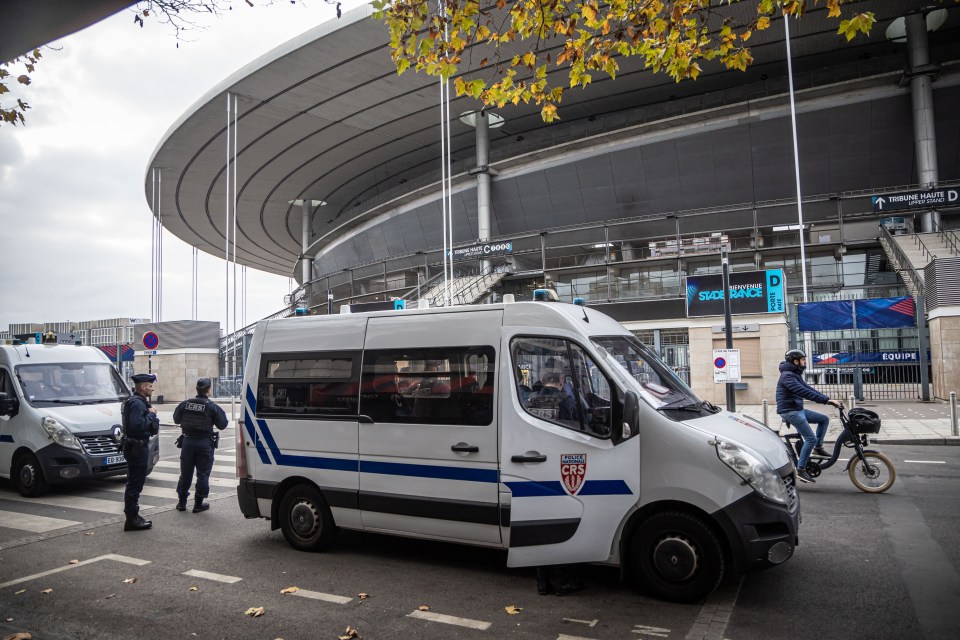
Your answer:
<point x="875" y="476"/>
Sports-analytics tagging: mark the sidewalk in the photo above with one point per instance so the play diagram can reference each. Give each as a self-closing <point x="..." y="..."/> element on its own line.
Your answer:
<point x="902" y="422"/>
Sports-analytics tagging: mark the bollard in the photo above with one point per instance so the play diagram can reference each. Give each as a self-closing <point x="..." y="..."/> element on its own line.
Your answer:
<point x="954" y="428"/>
<point x="765" y="406"/>
<point x="852" y="400"/>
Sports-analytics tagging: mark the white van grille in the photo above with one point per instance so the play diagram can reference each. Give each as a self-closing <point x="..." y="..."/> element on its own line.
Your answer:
<point x="99" y="445"/>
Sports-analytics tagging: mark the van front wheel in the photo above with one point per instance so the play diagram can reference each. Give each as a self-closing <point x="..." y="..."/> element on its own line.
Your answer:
<point x="28" y="476"/>
<point x="677" y="557"/>
<point x="305" y="518"/>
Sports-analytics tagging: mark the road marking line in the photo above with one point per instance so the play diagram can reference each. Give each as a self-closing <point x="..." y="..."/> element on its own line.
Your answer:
<point x="643" y="629"/>
<point x="175" y="477"/>
<point x="109" y="556"/>
<point x="71" y="502"/>
<point x="927" y="461"/>
<point x="460" y="622"/>
<point x="564" y="636"/>
<point x="194" y="573"/>
<point x="326" y="597"/>
<point x="589" y="623"/>
<point x="223" y="468"/>
<point x="36" y="524"/>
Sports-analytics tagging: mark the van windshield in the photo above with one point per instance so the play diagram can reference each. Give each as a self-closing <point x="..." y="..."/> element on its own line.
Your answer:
<point x="71" y="383"/>
<point x="660" y="387"/>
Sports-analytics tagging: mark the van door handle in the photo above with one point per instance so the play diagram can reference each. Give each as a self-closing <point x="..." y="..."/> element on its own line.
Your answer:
<point x="536" y="457"/>
<point x="465" y="448"/>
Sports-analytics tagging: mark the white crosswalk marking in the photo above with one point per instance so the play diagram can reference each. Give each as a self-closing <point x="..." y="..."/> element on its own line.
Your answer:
<point x="326" y="597"/>
<point x="175" y="477"/>
<point x="172" y="464"/>
<point x="69" y="502"/>
<point x="153" y="492"/>
<point x="36" y="524"/>
<point x="445" y="619"/>
<point x="206" y="575"/>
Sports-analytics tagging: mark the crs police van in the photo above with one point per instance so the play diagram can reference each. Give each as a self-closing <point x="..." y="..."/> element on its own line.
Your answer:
<point x="544" y="429"/>
<point x="60" y="416"/>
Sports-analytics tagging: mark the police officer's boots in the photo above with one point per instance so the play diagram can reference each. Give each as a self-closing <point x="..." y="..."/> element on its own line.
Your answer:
<point x="200" y="505"/>
<point x="182" y="504"/>
<point x="137" y="523"/>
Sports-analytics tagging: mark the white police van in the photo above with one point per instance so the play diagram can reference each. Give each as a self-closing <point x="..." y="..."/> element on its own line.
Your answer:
<point x="60" y="416"/>
<point x="545" y="429"/>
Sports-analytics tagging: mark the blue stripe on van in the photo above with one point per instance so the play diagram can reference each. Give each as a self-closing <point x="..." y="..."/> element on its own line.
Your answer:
<point x="6" y="438"/>
<point x="429" y="471"/>
<point x="530" y="489"/>
<point x="253" y="436"/>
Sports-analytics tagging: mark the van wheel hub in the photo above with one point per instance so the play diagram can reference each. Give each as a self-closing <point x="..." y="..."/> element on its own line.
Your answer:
<point x="675" y="558"/>
<point x="27" y="475"/>
<point x="305" y="519"/>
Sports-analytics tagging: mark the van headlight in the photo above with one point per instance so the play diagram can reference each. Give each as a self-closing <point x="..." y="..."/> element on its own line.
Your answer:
<point x="59" y="433"/>
<point x="754" y="470"/>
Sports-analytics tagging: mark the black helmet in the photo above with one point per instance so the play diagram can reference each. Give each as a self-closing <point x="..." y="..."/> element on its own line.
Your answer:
<point x="794" y="354"/>
<point x="863" y="421"/>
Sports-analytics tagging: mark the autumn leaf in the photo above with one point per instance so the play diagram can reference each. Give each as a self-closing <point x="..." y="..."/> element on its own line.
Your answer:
<point x="254" y="612"/>
<point x="74" y="562"/>
<point x="349" y="634"/>
<point x="46" y="591"/>
<point x="129" y="580"/>
<point x="513" y="609"/>
<point x="290" y="590"/>
<point x="112" y="595"/>
<point x="22" y="635"/>
<point x="194" y="588"/>
<point x="19" y="592"/>
<point x="362" y="596"/>
<point x="423" y="607"/>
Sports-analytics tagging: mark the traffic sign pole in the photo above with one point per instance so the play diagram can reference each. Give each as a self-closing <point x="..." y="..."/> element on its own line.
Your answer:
<point x="728" y="323"/>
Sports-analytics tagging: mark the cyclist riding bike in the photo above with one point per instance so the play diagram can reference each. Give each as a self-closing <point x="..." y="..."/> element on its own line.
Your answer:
<point x="792" y="389"/>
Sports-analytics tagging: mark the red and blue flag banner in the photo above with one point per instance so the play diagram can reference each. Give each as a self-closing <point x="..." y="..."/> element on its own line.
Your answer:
<point x="126" y="352"/>
<point x="825" y="316"/>
<point x="886" y="313"/>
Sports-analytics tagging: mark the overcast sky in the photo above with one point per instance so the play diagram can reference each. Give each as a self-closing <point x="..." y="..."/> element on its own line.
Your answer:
<point x="75" y="224"/>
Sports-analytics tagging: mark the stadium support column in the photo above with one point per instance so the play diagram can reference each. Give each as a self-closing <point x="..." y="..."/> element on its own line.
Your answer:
<point x="483" y="182"/>
<point x="921" y="96"/>
<point x="305" y="241"/>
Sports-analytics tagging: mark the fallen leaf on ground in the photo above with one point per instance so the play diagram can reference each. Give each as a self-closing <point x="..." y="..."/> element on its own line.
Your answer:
<point x="19" y="636"/>
<point x="45" y="591"/>
<point x="74" y="562"/>
<point x="290" y="590"/>
<point x="362" y="596"/>
<point x="424" y="607"/>
<point x="349" y="634"/>
<point x="130" y="580"/>
<point x="112" y="595"/>
<point x="19" y="592"/>
<point x="254" y="612"/>
<point x="194" y="588"/>
<point x="513" y="609"/>
<point x="9" y="619"/>
<point x="88" y="533"/>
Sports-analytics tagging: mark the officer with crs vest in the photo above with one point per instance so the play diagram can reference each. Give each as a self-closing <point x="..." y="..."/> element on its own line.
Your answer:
<point x="197" y="417"/>
<point x="140" y="421"/>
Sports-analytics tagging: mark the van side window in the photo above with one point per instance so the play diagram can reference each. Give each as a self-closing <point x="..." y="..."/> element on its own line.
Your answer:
<point x="308" y="384"/>
<point x="557" y="380"/>
<point x="449" y="385"/>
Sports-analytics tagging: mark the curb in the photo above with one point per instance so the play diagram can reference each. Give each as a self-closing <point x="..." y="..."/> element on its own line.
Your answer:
<point x="951" y="441"/>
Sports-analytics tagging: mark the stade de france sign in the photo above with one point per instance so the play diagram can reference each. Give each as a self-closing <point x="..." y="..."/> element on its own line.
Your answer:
<point x="915" y="199"/>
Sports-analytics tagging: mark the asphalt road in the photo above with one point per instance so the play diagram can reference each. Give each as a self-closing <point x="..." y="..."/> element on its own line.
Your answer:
<point x="881" y="566"/>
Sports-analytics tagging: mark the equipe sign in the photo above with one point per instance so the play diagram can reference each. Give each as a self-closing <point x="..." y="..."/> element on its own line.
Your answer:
<point x="483" y="250"/>
<point x="914" y="199"/>
<point x="750" y="292"/>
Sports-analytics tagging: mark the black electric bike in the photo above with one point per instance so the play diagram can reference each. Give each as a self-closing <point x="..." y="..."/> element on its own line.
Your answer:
<point x="869" y="470"/>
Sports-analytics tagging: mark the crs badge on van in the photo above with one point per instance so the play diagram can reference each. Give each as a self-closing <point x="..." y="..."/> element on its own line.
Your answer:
<point x="475" y="425"/>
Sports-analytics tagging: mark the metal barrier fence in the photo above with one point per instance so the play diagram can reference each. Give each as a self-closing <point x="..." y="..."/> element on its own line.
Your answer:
<point x="871" y="382"/>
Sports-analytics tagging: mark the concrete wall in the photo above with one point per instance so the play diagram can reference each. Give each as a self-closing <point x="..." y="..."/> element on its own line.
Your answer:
<point x="177" y="372"/>
<point x="944" y="326"/>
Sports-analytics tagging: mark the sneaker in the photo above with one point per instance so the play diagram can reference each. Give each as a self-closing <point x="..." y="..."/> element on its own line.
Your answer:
<point x="820" y="451"/>
<point x="804" y="476"/>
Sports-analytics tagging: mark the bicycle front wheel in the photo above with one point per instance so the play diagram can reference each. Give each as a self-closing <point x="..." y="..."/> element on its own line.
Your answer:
<point x="876" y="475"/>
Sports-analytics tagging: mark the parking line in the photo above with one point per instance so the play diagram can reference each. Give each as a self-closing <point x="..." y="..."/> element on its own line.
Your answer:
<point x="326" y="597"/>
<point x="927" y="461"/>
<point x="206" y="575"/>
<point x="564" y="636"/>
<point x="175" y="477"/>
<point x="71" y="502"/>
<point x="36" y="524"/>
<point x="110" y="556"/>
<point x="460" y="622"/>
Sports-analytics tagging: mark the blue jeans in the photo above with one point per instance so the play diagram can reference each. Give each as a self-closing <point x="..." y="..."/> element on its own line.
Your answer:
<point x="801" y="420"/>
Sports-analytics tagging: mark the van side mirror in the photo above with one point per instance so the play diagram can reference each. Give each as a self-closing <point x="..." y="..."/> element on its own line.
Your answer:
<point x="631" y="415"/>
<point x="8" y="406"/>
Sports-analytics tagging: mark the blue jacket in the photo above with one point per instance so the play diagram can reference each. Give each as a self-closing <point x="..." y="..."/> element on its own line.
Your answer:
<point x="792" y="389"/>
<point x="138" y="422"/>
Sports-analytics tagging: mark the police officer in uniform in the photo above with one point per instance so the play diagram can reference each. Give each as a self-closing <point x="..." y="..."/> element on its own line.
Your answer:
<point x="197" y="417"/>
<point x="140" y="421"/>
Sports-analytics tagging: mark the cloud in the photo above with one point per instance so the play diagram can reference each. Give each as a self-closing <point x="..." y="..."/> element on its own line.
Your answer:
<point x="75" y="226"/>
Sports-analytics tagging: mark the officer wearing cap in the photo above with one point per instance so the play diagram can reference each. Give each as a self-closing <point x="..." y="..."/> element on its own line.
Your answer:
<point x="197" y="417"/>
<point x="140" y="421"/>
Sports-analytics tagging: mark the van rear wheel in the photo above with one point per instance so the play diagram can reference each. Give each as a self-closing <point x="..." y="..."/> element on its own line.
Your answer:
<point x="28" y="476"/>
<point x="676" y="556"/>
<point x="305" y="518"/>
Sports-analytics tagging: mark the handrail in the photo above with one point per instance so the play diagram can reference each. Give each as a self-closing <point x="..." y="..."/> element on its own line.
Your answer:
<point x="901" y="258"/>
<point x="924" y="249"/>
<point x="232" y="338"/>
<point x="948" y="236"/>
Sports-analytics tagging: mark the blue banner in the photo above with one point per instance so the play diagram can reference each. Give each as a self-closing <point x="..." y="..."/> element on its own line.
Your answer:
<point x="886" y="313"/>
<point x="868" y="357"/>
<point x="825" y="316"/>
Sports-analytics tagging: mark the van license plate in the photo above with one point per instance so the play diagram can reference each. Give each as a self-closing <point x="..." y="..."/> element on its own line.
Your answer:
<point x="114" y="460"/>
